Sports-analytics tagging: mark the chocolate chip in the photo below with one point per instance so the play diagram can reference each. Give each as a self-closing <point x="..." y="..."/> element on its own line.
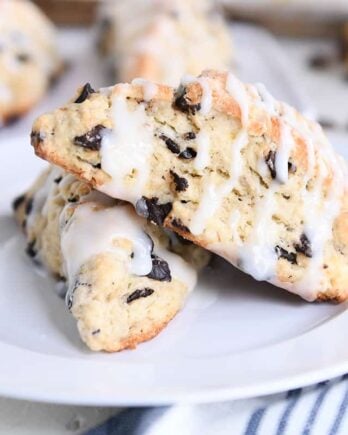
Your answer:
<point x="18" y="201"/>
<point x="171" y="145"/>
<point x="97" y="331"/>
<point x="97" y="165"/>
<point x="150" y="209"/>
<point x="87" y="90"/>
<point x="91" y="140"/>
<point x="270" y="162"/>
<point x="190" y="135"/>
<point x="58" y="180"/>
<point x="183" y="103"/>
<point x="292" y="168"/>
<point x="36" y="137"/>
<point x="283" y="253"/>
<point x="30" y="250"/>
<point x="23" y="57"/>
<point x="140" y="293"/>
<point x="177" y="223"/>
<point x="304" y="247"/>
<point x="160" y="269"/>
<point x="188" y="153"/>
<point x="320" y="61"/>
<point x="181" y="184"/>
<point x="72" y="199"/>
<point x="29" y="206"/>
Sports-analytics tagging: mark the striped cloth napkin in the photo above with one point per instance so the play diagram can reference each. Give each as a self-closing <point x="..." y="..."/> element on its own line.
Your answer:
<point x="317" y="410"/>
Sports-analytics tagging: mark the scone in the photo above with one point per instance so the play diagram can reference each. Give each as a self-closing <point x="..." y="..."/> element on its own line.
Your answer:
<point x="29" y="60"/>
<point x="161" y="40"/>
<point x="126" y="278"/>
<point x="224" y="165"/>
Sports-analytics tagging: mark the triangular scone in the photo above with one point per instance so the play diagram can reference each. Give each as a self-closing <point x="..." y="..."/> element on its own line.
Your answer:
<point x="223" y="164"/>
<point x="29" y="58"/>
<point x="143" y="44"/>
<point x="126" y="278"/>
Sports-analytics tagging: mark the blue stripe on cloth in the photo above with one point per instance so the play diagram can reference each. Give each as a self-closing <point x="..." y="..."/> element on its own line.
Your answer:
<point x="323" y="387"/>
<point x="292" y="399"/>
<point x="341" y="411"/>
<point x="254" y="421"/>
<point x="133" y="421"/>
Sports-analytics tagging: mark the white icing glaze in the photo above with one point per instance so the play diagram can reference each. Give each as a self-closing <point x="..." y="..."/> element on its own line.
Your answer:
<point x="213" y="195"/>
<point x="237" y="90"/>
<point x="149" y="88"/>
<point x="202" y="159"/>
<point x="257" y="254"/>
<point x="126" y="150"/>
<point x="93" y="231"/>
<point x="283" y="152"/>
<point x="269" y="103"/>
<point x="207" y="96"/>
<point x="320" y="213"/>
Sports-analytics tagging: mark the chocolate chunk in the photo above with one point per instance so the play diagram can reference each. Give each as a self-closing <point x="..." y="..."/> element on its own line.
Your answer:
<point x="18" y="201"/>
<point x="270" y="162"/>
<point x="97" y="165"/>
<point x="171" y="145"/>
<point x="160" y="269"/>
<point x="188" y="153"/>
<point x="58" y="179"/>
<point x="30" y="250"/>
<point x="181" y="184"/>
<point x="304" y="247"/>
<point x="87" y="90"/>
<point x="91" y="140"/>
<point x="95" y="332"/>
<point x="140" y="293"/>
<point x="23" y="57"/>
<point x="292" y="167"/>
<point x="182" y="102"/>
<point x="283" y="253"/>
<point x="320" y="61"/>
<point x="177" y="223"/>
<point x="29" y="206"/>
<point x="72" y="199"/>
<point x="150" y="209"/>
<point x="36" y="137"/>
<point x="190" y="135"/>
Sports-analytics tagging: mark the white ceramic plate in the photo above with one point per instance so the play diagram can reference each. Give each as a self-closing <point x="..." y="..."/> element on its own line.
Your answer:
<point x="235" y="338"/>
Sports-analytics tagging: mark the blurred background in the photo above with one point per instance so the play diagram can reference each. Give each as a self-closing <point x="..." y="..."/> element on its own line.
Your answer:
<point x="312" y="34"/>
